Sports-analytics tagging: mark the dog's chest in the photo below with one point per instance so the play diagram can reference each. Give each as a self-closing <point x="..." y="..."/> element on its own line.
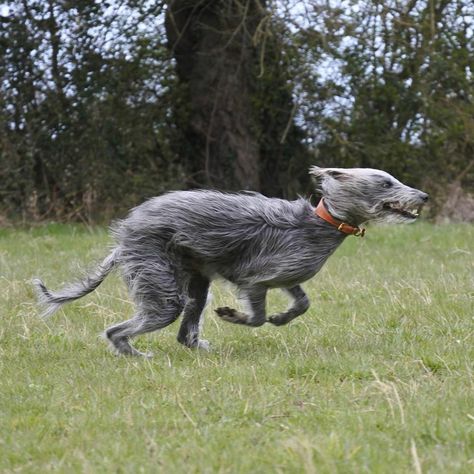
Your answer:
<point x="300" y="267"/>
<point x="293" y="264"/>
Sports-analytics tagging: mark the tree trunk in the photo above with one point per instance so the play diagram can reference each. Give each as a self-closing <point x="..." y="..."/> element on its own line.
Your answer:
<point x="212" y="44"/>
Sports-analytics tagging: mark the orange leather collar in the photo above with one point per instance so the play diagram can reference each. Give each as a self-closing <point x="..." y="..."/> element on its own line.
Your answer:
<point x="323" y="213"/>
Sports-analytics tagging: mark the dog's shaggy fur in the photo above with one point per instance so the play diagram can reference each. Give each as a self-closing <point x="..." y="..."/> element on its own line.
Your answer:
<point x="172" y="246"/>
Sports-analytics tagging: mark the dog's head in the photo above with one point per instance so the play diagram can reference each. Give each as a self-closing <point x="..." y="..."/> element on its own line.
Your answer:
<point x="357" y="195"/>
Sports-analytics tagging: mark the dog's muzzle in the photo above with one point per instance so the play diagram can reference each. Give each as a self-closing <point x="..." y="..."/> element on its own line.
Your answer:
<point x="410" y="210"/>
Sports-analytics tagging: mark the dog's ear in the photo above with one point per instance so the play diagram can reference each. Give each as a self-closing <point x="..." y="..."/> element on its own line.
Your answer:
<point x="336" y="173"/>
<point x="340" y="175"/>
<point x="316" y="171"/>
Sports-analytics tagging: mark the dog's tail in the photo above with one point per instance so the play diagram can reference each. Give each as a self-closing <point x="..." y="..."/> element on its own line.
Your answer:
<point x="52" y="301"/>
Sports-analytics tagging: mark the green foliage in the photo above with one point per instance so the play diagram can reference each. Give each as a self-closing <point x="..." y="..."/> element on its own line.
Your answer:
<point x="399" y="91"/>
<point x="85" y="103"/>
<point x="95" y="117"/>
<point x="376" y="377"/>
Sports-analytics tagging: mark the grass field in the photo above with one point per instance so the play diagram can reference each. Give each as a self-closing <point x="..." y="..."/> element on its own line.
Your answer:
<point x="376" y="377"/>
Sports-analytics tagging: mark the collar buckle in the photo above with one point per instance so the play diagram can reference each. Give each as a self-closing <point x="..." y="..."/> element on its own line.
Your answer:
<point x="322" y="212"/>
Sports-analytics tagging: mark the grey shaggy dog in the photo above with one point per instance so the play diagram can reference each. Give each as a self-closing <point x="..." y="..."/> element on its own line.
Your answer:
<point x="171" y="247"/>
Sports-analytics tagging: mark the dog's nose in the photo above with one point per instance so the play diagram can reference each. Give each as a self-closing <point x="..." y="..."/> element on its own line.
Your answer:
<point x="424" y="197"/>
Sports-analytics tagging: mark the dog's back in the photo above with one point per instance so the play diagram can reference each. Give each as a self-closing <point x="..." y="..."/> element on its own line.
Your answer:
<point x="214" y="209"/>
<point x="210" y="223"/>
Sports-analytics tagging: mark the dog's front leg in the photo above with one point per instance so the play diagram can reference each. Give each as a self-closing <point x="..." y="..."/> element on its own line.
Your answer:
<point x="299" y="306"/>
<point x="254" y="299"/>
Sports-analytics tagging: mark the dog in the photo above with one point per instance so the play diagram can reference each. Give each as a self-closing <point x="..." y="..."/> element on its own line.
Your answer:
<point x="171" y="247"/>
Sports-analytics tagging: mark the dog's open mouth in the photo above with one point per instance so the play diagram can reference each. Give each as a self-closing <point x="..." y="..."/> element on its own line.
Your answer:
<point x="398" y="208"/>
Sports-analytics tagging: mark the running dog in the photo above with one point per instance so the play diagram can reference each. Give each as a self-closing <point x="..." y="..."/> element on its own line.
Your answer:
<point x="171" y="247"/>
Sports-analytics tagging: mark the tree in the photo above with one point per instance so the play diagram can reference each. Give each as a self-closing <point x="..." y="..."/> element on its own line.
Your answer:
<point x="85" y="104"/>
<point x="236" y="112"/>
<point x="103" y="104"/>
<point x="401" y="97"/>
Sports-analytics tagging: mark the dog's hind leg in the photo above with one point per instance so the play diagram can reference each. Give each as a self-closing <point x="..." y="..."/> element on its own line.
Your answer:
<point x="299" y="306"/>
<point x="159" y="303"/>
<point x="143" y="322"/>
<point x="254" y="298"/>
<point x="119" y="336"/>
<point x="189" y="331"/>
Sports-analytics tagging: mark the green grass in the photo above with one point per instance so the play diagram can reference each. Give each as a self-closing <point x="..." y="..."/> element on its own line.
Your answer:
<point x="376" y="377"/>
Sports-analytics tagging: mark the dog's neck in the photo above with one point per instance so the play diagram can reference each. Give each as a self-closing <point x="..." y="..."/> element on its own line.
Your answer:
<point x="323" y="212"/>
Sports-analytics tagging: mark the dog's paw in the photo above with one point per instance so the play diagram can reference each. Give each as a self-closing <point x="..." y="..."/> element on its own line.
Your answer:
<point x="224" y="311"/>
<point x="279" y="319"/>
<point x="231" y="315"/>
<point x="203" y="345"/>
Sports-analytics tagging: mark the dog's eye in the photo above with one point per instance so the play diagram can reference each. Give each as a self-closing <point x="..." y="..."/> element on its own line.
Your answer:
<point x="387" y="184"/>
